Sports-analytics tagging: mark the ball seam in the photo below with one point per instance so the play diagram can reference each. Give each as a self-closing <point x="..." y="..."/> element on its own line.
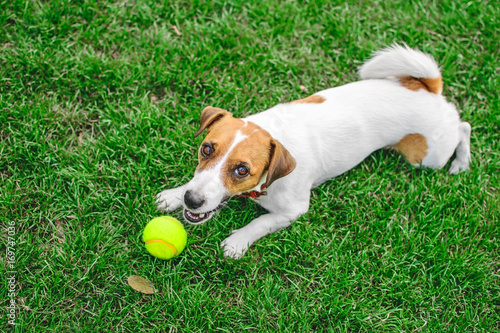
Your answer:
<point x="162" y="242"/>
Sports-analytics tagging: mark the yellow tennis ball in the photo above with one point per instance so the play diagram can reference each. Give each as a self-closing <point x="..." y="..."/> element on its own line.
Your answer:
<point x="164" y="237"/>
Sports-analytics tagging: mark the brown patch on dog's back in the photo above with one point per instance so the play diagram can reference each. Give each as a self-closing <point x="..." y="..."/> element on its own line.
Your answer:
<point x="413" y="147"/>
<point x="433" y="85"/>
<point x="315" y="99"/>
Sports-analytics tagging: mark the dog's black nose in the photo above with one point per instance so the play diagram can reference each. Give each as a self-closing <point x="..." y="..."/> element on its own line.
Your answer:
<point x="192" y="201"/>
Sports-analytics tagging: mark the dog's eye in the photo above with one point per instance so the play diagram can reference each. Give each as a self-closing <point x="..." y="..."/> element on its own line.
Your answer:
<point x="206" y="150"/>
<point x="241" y="171"/>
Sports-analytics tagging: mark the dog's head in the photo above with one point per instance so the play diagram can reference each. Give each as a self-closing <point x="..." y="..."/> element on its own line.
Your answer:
<point x="235" y="157"/>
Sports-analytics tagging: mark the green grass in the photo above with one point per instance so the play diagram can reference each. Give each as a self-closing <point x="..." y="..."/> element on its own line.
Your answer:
<point x="99" y="101"/>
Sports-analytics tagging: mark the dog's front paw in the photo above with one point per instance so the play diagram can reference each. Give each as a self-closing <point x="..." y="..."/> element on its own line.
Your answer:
<point x="236" y="245"/>
<point x="169" y="200"/>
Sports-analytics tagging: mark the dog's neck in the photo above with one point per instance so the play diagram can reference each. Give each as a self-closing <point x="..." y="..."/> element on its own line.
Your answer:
<point x="257" y="191"/>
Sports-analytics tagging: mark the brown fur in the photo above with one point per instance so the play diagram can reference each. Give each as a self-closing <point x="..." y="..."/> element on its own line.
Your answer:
<point x="413" y="147"/>
<point x="258" y="152"/>
<point x="210" y="115"/>
<point x="315" y="99"/>
<point x="433" y="85"/>
<point x="220" y="135"/>
<point x="281" y="164"/>
<point x="254" y="156"/>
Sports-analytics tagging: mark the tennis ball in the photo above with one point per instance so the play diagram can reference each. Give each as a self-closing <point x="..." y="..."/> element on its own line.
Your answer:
<point x="164" y="237"/>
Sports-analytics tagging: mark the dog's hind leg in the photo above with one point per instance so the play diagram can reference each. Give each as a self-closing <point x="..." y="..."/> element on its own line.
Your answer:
<point x="462" y="158"/>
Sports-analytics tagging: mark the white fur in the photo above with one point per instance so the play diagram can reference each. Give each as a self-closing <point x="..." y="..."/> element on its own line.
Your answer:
<point x="329" y="138"/>
<point x="399" y="60"/>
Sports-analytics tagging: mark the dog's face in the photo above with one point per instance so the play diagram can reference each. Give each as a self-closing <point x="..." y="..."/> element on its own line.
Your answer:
<point x="233" y="158"/>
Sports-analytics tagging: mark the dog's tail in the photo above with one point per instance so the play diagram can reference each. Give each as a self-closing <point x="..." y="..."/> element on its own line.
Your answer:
<point x="415" y="69"/>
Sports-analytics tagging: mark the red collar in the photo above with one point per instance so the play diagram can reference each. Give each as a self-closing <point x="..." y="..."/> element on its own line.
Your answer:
<point x="253" y="194"/>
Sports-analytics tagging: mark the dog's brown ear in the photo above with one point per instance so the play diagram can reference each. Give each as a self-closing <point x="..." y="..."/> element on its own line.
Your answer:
<point x="281" y="163"/>
<point x="210" y="115"/>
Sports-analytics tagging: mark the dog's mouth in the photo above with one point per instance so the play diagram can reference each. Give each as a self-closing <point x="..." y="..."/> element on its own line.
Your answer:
<point x="197" y="218"/>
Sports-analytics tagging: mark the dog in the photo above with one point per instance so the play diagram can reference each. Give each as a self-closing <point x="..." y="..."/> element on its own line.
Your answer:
<point x="277" y="156"/>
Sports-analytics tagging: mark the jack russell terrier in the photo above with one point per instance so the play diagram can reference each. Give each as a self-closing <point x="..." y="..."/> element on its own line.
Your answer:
<point x="277" y="156"/>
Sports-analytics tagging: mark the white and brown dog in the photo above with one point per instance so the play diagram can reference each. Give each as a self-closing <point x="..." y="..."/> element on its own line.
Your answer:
<point x="277" y="156"/>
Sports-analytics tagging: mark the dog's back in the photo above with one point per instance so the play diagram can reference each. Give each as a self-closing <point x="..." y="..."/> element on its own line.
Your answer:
<point x="398" y="104"/>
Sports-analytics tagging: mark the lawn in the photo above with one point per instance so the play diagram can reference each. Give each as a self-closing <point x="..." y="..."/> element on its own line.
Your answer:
<point x="99" y="102"/>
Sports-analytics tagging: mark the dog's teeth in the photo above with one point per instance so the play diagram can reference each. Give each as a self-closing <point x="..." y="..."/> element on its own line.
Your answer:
<point x="202" y="215"/>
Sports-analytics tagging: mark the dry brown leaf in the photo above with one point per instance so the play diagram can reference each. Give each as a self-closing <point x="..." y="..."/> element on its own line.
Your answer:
<point x="141" y="284"/>
<point x="303" y="88"/>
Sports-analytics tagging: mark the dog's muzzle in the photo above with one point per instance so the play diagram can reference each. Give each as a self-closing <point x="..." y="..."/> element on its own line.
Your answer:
<point x="193" y="202"/>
